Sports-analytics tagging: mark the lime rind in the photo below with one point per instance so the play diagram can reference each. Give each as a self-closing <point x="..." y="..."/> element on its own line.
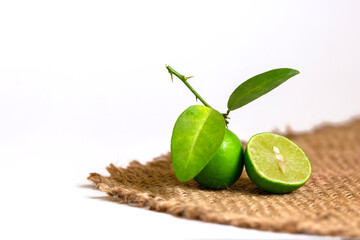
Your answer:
<point x="263" y="179"/>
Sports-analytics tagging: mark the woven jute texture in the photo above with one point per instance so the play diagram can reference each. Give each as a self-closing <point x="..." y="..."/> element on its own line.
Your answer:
<point x="328" y="204"/>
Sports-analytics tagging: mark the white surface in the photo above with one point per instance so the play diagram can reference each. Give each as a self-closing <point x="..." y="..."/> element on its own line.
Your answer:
<point x="83" y="84"/>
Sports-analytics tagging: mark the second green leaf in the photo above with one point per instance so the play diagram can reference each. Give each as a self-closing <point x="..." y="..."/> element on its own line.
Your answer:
<point x="259" y="85"/>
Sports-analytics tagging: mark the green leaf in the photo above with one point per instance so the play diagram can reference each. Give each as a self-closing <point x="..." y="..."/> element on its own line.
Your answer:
<point x="259" y="85"/>
<point x="197" y="135"/>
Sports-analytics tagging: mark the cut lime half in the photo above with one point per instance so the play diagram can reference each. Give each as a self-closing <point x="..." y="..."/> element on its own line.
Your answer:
<point x="276" y="164"/>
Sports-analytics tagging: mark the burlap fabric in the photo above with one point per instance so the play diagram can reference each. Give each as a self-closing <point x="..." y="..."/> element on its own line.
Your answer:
<point x="328" y="204"/>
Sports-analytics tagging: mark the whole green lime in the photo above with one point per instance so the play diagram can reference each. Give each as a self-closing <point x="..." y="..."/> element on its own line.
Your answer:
<point x="226" y="166"/>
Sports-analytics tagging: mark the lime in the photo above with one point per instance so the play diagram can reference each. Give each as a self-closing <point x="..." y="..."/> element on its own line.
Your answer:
<point x="276" y="164"/>
<point x="226" y="165"/>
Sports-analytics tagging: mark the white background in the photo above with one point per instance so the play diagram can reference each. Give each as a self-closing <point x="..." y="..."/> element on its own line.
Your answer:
<point x="83" y="84"/>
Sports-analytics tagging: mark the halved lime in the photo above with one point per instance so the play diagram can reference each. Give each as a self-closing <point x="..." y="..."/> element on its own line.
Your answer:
<point x="276" y="164"/>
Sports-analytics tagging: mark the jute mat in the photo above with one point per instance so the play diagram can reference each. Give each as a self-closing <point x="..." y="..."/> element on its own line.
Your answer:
<point x="328" y="204"/>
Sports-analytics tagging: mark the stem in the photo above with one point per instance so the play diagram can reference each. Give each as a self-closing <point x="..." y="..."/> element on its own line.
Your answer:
<point x="184" y="80"/>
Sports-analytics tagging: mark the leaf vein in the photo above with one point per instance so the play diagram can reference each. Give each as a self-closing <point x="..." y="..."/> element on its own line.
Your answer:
<point x="196" y="138"/>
